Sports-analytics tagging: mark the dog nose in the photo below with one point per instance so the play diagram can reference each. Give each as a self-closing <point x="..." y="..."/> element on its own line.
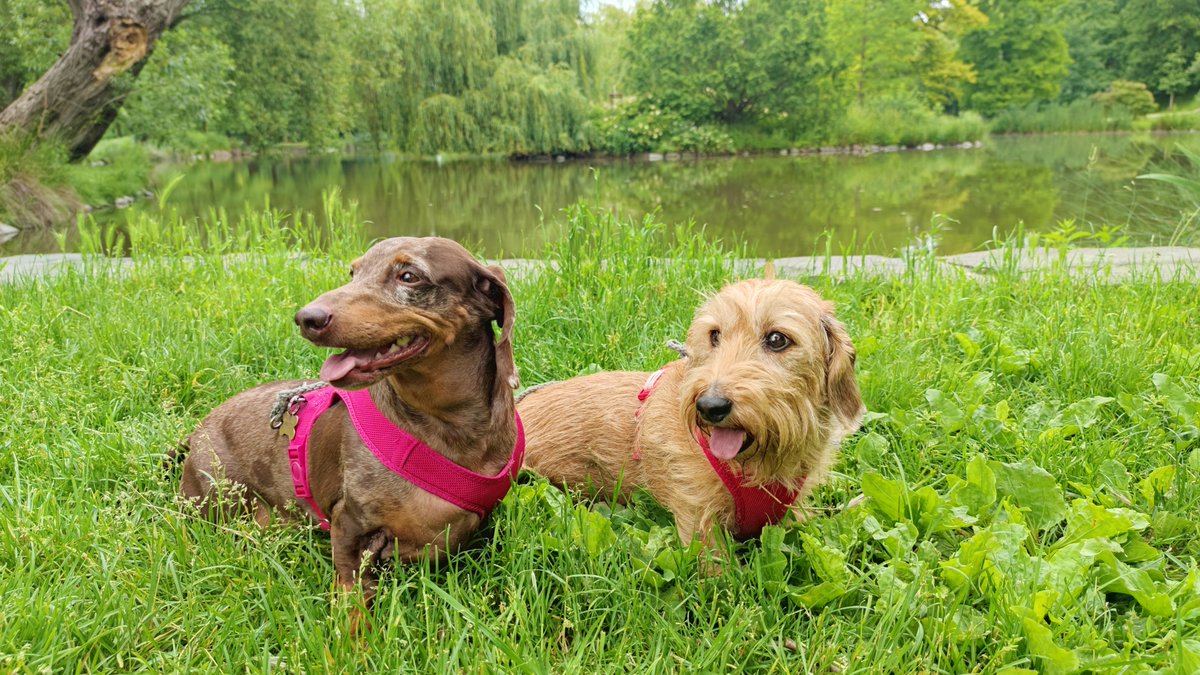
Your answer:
<point x="713" y="408"/>
<point x="313" y="320"/>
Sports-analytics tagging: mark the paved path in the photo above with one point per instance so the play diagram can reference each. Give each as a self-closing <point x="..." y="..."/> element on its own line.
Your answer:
<point x="1112" y="264"/>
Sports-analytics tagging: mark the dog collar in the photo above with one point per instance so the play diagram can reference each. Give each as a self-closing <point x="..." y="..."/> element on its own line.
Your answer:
<point x="753" y="507"/>
<point x="399" y="451"/>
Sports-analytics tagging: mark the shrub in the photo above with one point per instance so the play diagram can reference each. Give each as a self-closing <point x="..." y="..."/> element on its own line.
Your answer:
<point x="1132" y="96"/>
<point x="645" y="127"/>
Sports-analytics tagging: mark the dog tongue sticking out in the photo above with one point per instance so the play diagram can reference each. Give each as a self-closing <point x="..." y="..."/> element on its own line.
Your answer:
<point x="339" y="365"/>
<point x="724" y="443"/>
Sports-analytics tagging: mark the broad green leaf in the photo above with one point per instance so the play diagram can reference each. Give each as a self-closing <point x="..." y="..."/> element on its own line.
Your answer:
<point x="969" y="347"/>
<point x="988" y="558"/>
<point x="951" y="416"/>
<point x="816" y="597"/>
<point x="1086" y="520"/>
<point x="1113" y="474"/>
<point x="1084" y="413"/>
<point x="898" y="541"/>
<point x="978" y="492"/>
<point x="887" y="497"/>
<point x="771" y="562"/>
<point x="593" y="530"/>
<point x="928" y="510"/>
<point x="1157" y="484"/>
<point x="1064" y="571"/>
<point x="829" y="563"/>
<point x="871" y="449"/>
<point x="1040" y="643"/>
<point x="1117" y="577"/>
<point x="1136" y="550"/>
<point x="1187" y="656"/>
<point x="1032" y="488"/>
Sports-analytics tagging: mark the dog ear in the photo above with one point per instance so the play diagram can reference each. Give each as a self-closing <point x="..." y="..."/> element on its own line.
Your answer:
<point x="841" y="389"/>
<point x="490" y="281"/>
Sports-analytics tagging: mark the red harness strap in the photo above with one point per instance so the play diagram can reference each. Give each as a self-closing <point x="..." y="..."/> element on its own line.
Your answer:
<point x="753" y="507"/>
<point x="401" y="452"/>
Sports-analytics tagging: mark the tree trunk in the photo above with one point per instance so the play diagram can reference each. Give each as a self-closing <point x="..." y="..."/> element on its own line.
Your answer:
<point x="75" y="101"/>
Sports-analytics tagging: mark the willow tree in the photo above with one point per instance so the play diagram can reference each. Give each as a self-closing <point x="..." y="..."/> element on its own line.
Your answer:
<point x="502" y="76"/>
<point x="77" y="99"/>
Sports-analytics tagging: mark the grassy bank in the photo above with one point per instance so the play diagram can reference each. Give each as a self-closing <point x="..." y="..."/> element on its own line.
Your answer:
<point x="39" y="188"/>
<point x="1032" y="457"/>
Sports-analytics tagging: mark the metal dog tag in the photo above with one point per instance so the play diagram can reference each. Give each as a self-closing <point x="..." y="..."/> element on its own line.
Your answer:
<point x="288" y="429"/>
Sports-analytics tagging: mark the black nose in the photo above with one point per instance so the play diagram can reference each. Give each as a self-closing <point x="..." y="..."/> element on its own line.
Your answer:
<point x="313" y="320"/>
<point x="713" y="408"/>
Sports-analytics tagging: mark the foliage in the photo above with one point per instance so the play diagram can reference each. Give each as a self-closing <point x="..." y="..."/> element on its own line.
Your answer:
<point x="644" y="127"/>
<point x="184" y="88"/>
<point x="1019" y="55"/>
<point x="292" y="69"/>
<point x="118" y="167"/>
<point x="1081" y="115"/>
<point x="905" y="122"/>
<point x="33" y="182"/>
<point x="1132" y="96"/>
<point x="1154" y="31"/>
<point x="32" y="35"/>
<point x="764" y="61"/>
<point x="1031" y="485"/>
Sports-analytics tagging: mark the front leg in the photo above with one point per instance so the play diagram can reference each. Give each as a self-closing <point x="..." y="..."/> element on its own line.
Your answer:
<point x="354" y="562"/>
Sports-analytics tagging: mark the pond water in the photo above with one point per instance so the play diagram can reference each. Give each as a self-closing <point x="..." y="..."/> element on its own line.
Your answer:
<point x="779" y="205"/>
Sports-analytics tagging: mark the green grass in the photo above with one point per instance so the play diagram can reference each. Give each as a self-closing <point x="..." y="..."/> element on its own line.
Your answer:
<point x="968" y="558"/>
<point x="1080" y="115"/>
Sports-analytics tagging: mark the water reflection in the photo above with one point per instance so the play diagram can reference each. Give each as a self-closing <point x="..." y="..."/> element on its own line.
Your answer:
<point x="781" y="205"/>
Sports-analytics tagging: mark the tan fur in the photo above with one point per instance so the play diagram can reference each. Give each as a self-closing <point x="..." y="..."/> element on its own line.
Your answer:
<point x="455" y="395"/>
<point x="798" y="403"/>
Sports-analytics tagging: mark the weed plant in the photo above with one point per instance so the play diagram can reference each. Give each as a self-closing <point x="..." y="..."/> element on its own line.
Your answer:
<point x="1031" y="460"/>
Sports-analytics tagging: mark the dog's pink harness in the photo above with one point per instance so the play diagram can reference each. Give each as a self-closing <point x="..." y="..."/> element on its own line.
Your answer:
<point x="399" y="451"/>
<point x="754" y="507"/>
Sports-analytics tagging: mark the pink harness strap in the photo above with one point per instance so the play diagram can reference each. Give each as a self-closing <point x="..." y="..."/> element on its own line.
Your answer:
<point x="753" y="507"/>
<point x="404" y="454"/>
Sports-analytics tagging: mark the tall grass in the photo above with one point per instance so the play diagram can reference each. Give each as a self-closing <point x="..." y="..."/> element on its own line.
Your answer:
<point x="39" y="188"/>
<point x="1080" y="115"/>
<point x="906" y="124"/>
<point x="33" y="178"/>
<point x="1095" y="383"/>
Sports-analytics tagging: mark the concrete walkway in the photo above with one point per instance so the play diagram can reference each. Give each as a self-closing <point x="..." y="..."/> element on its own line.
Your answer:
<point x="1111" y="264"/>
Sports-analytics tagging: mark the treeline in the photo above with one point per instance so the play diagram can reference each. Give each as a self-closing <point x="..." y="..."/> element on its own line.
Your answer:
<point x="533" y="77"/>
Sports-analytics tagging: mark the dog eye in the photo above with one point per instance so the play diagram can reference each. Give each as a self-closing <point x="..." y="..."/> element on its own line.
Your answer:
<point x="714" y="337"/>
<point x="408" y="277"/>
<point x="776" y="341"/>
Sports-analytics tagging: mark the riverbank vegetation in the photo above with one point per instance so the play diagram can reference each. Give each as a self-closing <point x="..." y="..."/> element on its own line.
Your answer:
<point x="537" y="77"/>
<point x="1031" y="462"/>
<point x="521" y="78"/>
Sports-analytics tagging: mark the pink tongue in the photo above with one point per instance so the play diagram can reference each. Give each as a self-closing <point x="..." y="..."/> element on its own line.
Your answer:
<point x="338" y="366"/>
<point x="724" y="443"/>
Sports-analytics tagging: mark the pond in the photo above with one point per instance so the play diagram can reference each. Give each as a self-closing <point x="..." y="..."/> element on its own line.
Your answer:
<point x="789" y="205"/>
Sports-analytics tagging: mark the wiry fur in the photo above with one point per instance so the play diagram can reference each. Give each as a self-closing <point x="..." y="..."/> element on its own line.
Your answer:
<point x="455" y="395"/>
<point x="798" y="404"/>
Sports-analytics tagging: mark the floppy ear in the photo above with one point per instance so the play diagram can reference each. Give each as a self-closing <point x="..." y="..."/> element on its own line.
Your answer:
<point x="841" y="389"/>
<point x="491" y="283"/>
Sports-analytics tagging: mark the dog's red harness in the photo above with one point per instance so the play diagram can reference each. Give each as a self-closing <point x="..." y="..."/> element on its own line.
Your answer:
<point x="754" y="507"/>
<point x="399" y="451"/>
